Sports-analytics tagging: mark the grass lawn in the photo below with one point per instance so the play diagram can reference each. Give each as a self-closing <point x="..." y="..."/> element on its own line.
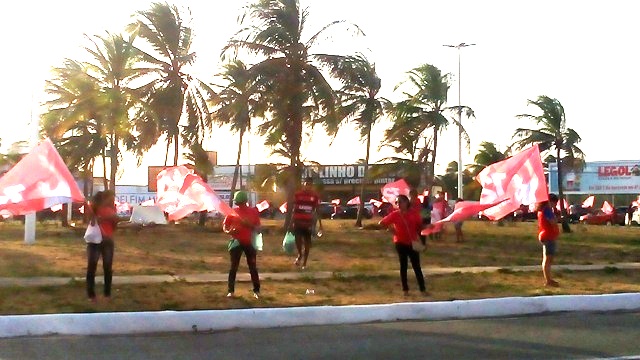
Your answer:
<point x="336" y="291"/>
<point x="187" y="249"/>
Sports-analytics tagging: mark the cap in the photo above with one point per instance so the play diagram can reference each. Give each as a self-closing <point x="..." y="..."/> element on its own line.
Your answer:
<point x="240" y="197"/>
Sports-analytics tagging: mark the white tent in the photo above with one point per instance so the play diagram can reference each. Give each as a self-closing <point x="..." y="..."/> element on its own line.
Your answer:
<point x="147" y="215"/>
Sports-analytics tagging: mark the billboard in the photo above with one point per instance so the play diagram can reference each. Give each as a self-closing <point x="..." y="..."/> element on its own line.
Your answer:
<point x="599" y="177"/>
<point x="343" y="174"/>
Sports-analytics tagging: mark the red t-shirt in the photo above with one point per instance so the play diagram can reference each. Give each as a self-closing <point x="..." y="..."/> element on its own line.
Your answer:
<point x="406" y="225"/>
<point x="416" y="205"/>
<point x="305" y="204"/>
<point x="245" y="228"/>
<point x="107" y="226"/>
<point x="547" y="231"/>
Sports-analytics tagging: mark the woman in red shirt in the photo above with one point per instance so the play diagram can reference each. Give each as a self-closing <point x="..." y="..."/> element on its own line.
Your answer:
<point x="104" y="212"/>
<point x="405" y="226"/>
<point x="241" y="227"/>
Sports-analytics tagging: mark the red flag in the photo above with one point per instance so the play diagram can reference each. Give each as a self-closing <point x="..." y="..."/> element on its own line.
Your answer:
<point x="37" y="182"/>
<point x="375" y="202"/>
<point x="122" y="207"/>
<point x="81" y="209"/>
<point x="588" y="202"/>
<point x="283" y="207"/>
<point x="393" y="189"/>
<point x="607" y="208"/>
<point x="335" y="201"/>
<point x="462" y="211"/>
<point x="262" y="206"/>
<point x="354" y="201"/>
<point x="518" y="179"/>
<point x="192" y="194"/>
<point x="421" y="198"/>
<point x="56" y="208"/>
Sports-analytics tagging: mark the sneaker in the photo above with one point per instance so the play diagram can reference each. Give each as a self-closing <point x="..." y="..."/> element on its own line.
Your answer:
<point x="256" y="295"/>
<point x="230" y="295"/>
<point x="297" y="262"/>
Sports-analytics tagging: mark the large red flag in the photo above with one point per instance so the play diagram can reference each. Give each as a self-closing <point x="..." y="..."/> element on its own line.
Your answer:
<point x="607" y="208"/>
<point x="192" y="194"/>
<point x="588" y="202"/>
<point x="462" y="211"/>
<point x="37" y="182"/>
<point x="393" y="189"/>
<point x="512" y="182"/>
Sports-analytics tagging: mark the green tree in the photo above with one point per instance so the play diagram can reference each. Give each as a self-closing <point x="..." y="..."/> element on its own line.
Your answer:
<point x="361" y="104"/>
<point x="423" y="115"/>
<point x="294" y="90"/>
<point x="487" y="155"/>
<point x="172" y="94"/>
<point x="552" y="134"/>
<point x="92" y="101"/>
<point x="236" y="104"/>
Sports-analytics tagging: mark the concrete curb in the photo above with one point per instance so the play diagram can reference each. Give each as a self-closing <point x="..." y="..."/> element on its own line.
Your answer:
<point x="216" y="320"/>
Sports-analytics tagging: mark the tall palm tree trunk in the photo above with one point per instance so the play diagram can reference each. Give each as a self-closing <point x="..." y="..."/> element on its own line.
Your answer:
<point x="113" y="162"/>
<point x="364" y="181"/>
<point x="432" y="164"/>
<point x="176" y="148"/>
<point x="565" y="223"/>
<point x="105" y="183"/>
<point x="237" y="169"/>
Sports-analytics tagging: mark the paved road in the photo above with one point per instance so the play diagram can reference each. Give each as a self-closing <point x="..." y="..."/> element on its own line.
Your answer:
<point x="559" y="336"/>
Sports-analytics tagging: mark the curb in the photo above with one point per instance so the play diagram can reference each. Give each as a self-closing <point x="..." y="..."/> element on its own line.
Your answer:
<point x="217" y="320"/>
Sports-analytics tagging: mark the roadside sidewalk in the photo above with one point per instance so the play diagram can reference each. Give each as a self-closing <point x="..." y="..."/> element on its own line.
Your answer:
<point x="222" y="277"/>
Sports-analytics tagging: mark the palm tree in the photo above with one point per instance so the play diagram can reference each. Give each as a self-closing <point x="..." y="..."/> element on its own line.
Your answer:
<point x="422" y="111"/>
<point x="360" y="103"/>
<point x="295" y="91"/>
<point x="74" y="120"/>
<point x="553" y="133"/>
<point x="237" y="103"/>
<point x="487" y="155"/>
<point x="173" y="93"/>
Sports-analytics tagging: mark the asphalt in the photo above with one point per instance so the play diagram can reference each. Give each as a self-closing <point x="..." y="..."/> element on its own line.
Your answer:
<point x="212" y="277"/>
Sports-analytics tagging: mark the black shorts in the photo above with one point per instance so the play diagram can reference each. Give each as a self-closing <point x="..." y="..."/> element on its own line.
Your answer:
<point x="302" y="231"/>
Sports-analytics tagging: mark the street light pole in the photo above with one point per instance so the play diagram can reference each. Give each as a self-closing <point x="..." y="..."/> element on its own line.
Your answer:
<point x="459" y="47"/>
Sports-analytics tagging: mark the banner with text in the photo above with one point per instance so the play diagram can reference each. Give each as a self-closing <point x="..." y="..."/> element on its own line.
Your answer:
<point x="601" y="177"/>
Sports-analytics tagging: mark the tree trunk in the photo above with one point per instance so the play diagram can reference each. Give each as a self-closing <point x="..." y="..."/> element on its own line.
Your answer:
<point x="176" y="148"/>
<point x="364" y="181"/>
<point x="235" y="171"/>
<point x="105" y="183"/>
<point x="563" y="211"/>
<point x="432" y="164"/>
<point x="166" y="154"/>
<point x="113" y="162"/>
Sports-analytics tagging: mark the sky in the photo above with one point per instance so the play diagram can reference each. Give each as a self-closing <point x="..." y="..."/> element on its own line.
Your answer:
<point x="582" y="53"/>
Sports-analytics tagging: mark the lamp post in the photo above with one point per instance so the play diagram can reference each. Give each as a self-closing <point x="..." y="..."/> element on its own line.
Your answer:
<point x="459" y="47"/>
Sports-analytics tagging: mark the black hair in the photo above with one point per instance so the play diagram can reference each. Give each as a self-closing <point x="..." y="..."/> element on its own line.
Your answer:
<point x="553" y="197"/>
<point x="403" y="198"/>
<point x="308" y="179"/>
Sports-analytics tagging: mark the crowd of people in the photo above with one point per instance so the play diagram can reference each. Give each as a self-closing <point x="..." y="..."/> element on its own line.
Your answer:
<point x="411" y="215"/>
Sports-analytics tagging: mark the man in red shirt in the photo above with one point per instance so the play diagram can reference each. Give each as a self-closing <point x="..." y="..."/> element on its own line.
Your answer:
<point x="306" y="202"/>
<point x="241" y="226"/>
